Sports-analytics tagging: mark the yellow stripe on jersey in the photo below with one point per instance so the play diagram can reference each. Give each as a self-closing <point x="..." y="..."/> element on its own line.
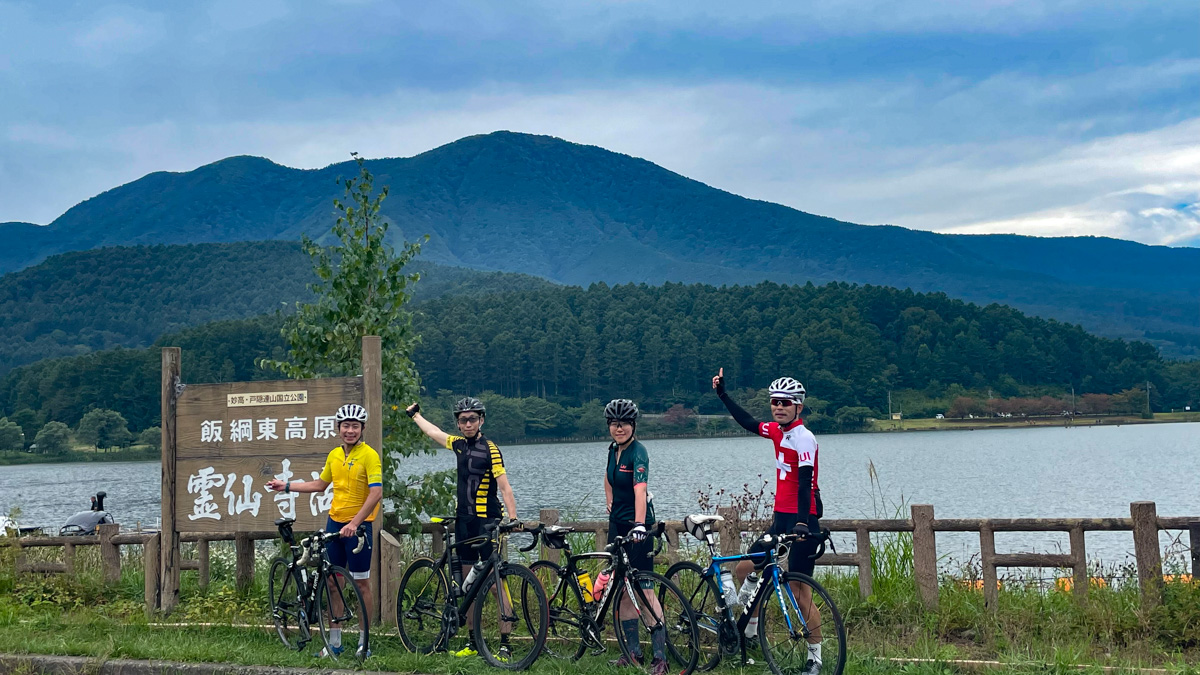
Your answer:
<point x="497" y="463"/>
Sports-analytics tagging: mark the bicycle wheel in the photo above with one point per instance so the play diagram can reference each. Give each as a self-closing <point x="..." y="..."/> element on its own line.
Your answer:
<point x="342" y="615"/>
<point x="510" y="631"/>
<point x="287" y="605"/>
<point x="658" y="607"/>
<point x="701" y="593"/>
<point x="565" y="629"/>
<point x="420" y="606"/>
<point x="788" y="635"/>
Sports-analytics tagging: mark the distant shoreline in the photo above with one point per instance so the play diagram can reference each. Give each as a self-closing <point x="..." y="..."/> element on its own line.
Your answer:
<point x="879" y="427"/>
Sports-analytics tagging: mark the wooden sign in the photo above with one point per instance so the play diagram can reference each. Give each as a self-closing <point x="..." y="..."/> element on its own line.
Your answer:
<point x="232" y="438"/>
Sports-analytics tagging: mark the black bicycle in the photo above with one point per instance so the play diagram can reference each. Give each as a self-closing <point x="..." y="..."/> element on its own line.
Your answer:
<point x="800" y="630"/>
<point x="578" y="605"/>
<point x="431" y="605"/>
<point x="304" y="586"/>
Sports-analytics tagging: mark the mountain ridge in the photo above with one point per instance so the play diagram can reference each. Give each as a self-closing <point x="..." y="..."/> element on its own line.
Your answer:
<point x="576" y="214"/>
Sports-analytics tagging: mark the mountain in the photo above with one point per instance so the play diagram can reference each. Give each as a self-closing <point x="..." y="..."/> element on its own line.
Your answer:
<point x="74" y="303"/>
<point x="577" y="214"/>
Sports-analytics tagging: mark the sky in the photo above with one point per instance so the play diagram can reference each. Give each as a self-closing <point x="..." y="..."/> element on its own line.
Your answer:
<point x="1042" y="117"/>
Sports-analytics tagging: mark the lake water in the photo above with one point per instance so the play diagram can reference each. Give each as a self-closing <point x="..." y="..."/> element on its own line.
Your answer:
<point x="1001" y="473"/>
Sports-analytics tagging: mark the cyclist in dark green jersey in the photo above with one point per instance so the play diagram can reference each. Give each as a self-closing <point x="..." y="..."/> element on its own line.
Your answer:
<point x="630" y="512"/>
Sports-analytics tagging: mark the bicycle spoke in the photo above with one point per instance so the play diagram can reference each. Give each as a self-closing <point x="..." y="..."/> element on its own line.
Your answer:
<point x="801" y="630"/>
<point x="510" y="628"/>
<point x="287" y="606"/>
<point x="420" y="602"/>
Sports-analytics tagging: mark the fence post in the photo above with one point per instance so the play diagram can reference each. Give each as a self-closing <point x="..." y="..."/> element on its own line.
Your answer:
<point x="389" y="572"/>
<point x="602" y="536"/>
<point x="1079" y="554"/>
<point x="372" y="376"/>
<point x="1194" y="542"/>
<point x="864" y="563"/>
<point x="925" y="554"/>
<point x="439" y="541"/>
<point x="1145" y="547"/>
<point x="153" y="563"/>
<point x="731" y="531"/>
<point x="549" y="517"/>
<point x="244" y="555"/>
<point x="987" y="559"/>
<point x="169" y="542"/>
<point x="202" y="562"/>
<point x="68" y="558"/>
<point x="110" y="553"/>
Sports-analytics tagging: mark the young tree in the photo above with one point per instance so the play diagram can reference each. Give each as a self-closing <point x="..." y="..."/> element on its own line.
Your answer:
<point x="363" y="289"/>
<point x="53" y="439"/>
<point x="151" y="437"/>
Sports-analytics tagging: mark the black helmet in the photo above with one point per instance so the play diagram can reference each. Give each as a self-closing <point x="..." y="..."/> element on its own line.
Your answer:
<point x="621" y="410"/>
<point x="469" y="404"/>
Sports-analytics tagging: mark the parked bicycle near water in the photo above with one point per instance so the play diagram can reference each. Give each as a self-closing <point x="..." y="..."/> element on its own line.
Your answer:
<point x="304" y="586"/>
<point x="786" y="634"/>
<point x="431" y="606"/>
<point x="577" y="606"/>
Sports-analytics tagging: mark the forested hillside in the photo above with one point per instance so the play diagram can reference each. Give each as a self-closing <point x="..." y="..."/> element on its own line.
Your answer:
<point x="579" y="214"/>
<point x="129" y="296"/>
<point x="661" y="344"/>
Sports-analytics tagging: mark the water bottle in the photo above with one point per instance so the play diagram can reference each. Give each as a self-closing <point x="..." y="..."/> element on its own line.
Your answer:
<point x="585" y="585"/>
<point x="747" y="590"/>
<point x="731" y="593"/>
<point x="601" y="583"/>
<point x="476" y="570"/>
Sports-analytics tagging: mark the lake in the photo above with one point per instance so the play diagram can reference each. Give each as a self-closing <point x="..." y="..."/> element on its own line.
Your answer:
<point x="1001" y="473"/>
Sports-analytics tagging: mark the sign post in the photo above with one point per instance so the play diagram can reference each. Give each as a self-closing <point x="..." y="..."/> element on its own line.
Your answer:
<point x="223" y="442"/>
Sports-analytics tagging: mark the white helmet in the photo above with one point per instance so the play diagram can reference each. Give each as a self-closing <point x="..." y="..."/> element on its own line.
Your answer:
<point x="351" y="412"/>
<point x="787" y="387"/>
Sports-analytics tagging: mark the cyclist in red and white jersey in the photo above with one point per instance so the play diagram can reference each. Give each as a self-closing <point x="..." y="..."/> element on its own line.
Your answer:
<point x="797" y="497"/>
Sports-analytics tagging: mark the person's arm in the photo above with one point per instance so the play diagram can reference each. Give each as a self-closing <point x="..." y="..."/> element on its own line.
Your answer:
<point x="501" y="476"/>
<point x="639" y="503"/>
<point x="641" y="479"/>
<point x="374" y="494"/>
<point x="608" y="497"/>
<point x="317" y="485"/>
<point x="743" y="418"/>
<point x="431" y="430"/>
<point x="804" y="497"/>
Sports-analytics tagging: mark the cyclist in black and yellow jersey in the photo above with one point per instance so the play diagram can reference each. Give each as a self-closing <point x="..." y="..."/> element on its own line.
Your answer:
<point x="481" y="477"/>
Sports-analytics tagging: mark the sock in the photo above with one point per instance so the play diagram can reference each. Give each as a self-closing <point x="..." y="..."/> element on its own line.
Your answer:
<point x="752" y="627"/>
<point x="658" y="642"/>
<point x="814" y="651"/>
<point x="504" y="639"/>
<point x="630" y="626"/>
<point x="335" y="637"/>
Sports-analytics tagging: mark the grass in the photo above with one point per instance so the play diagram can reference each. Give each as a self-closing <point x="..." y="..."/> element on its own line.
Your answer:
<point x="931" y="424"/>
<point x="1035" y="629"/>
<point x="138" y="453"/>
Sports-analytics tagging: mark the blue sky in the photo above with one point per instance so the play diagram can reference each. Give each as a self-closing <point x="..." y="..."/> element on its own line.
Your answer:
<point x="1048" y="118"/>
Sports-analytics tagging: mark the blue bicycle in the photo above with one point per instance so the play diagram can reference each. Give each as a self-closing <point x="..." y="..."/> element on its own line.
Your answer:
<point x="799" y="631"/>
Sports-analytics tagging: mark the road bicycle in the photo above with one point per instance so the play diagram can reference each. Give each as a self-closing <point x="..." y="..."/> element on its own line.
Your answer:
<point x="433" y="604"/>
<point x="578" y="606"/>
<point x="304" y="586"/>
<point x="784" y="631"/>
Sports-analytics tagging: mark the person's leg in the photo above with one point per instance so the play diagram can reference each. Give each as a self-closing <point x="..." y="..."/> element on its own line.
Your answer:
<point x="337" y="552"/>
<point x="800" y="560"/>
<point x="625" y="608"/>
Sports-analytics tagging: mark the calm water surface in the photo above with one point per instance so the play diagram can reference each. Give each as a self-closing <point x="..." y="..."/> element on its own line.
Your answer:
<point x="1044" y="472"/>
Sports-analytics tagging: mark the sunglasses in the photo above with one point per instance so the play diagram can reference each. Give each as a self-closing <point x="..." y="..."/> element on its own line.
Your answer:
<point x="782" y="402"/>
<point x="617" y="424"/>
<point x="468" y="419"/>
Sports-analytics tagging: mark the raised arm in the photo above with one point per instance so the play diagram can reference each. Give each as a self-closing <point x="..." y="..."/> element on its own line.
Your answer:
<point x="431" y="430"/>
<point x="743" y="418"/>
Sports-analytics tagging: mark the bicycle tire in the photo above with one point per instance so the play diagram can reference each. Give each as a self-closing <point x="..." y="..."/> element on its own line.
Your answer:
<point x="682" y="637"/>
<point x="780" y="660"/>
<point x="701" y="592"/>
<point x="525" y="648"/>
<point x="287" y="605"/>
<point x="565" y="629"/>
<point x="337" y="588"/>
<point x="421" y="606"/>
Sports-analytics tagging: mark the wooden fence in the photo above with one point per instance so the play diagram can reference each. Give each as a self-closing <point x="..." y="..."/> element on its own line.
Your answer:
<point x="1144" y="523"/>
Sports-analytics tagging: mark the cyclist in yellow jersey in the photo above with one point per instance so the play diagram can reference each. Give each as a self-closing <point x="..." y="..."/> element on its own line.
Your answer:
<point x="356" y="473"/>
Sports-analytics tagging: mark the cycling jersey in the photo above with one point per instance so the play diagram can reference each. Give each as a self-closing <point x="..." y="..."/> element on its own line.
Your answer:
<point x="479" y="465"/>
<point x="795" y="459"/>
<point x="352" y="474"/>
<point x="632" y="468"/>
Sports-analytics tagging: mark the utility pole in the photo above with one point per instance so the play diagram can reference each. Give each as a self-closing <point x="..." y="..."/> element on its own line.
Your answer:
<point x="1072" y="399"/>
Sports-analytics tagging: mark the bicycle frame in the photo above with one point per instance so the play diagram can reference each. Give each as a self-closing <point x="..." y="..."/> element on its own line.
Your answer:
<point x="298" y="564"/>
<point x="449" y="558"/>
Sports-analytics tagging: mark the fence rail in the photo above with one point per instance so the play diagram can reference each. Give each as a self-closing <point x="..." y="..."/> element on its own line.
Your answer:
<point x="1144" y="523"/>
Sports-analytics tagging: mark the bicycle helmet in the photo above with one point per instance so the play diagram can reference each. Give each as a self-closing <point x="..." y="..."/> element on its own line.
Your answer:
<point x="351" y="412"/>
<point x="469" y="404"/>
<point x="789" y="388"/>
<point x="621" y="410"/>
